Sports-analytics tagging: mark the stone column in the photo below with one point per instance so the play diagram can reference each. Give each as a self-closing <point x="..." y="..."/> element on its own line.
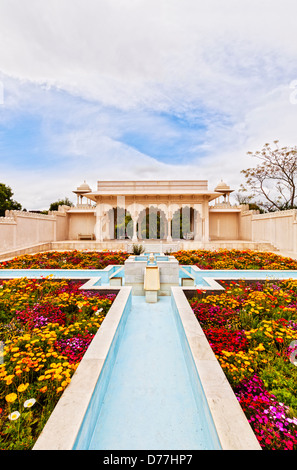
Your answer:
<point x="205" y="222"/>
<point x="134" y="236"/>
<point x="111" y="223"/>
<point x="169" y="236"/>
<point x="134" y="215"/>
<point x="98" y="225"/>
<point x="197" y="222"/>
<point x="206" y="228"/>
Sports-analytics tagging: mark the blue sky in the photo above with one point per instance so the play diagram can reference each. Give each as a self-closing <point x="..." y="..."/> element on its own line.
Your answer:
<point x="138" y="89"/>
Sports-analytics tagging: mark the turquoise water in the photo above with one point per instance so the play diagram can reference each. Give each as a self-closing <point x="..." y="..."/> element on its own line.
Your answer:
<point x="157" y="257"/>
<point x="150" y="400"/>
<point x="59" y="273"/>
<point x="200" y="276"/>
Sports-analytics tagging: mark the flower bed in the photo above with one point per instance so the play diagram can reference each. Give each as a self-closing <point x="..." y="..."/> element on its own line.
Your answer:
<point x="46" y="326"/>
<point x="66" y="260"/>
<point x="234" y="259"/>
<point x="252" y="329"/>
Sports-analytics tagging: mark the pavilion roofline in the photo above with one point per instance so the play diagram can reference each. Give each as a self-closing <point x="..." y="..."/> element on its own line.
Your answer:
<point x="144" y="185"/>
<point x="153" y="188"/>
<point x="210" y="195"/>
<point x="155" y="182"/>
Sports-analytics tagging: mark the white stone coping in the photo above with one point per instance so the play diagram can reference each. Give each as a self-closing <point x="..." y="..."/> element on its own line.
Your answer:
<point x="187" y="273"/>
<point x="64" y="423"/>
<point x="29" y="215"/>
<point x="232" y="426"/>
<point x="213" y="282"/>
<point x="13" y="252"/>
<point x="8" y="220"/>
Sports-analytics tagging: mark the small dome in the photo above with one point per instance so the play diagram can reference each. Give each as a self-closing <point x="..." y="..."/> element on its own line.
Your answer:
<point x="84" y="187"/>
<point x="222" y="187"/>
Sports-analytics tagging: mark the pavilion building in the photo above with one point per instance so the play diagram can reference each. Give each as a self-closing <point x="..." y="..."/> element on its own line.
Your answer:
<point x="160" y="215"/>
<point x="153" y="210"/>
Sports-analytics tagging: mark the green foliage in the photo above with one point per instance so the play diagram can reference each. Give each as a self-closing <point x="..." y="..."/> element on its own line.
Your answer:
<point x="137" y="249"/>
<point x="123" y="227"/>
<point x="61" y="202"/>
<point x="6" y="201"/>
<point x="279" y="377"/>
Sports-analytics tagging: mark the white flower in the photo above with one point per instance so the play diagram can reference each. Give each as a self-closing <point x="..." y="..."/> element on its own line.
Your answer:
<point x="98" y="311"/>
<point x="29" y="403"/>
<point x="14" y="415"/>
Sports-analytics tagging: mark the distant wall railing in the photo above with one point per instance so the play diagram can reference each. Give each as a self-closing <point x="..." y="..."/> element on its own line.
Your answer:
<point x="159" y="247"/>
<point x="20" y="229"/>
<point x="277" y="228"/>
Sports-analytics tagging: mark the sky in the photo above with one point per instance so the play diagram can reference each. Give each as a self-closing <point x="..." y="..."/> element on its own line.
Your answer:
<point x="141" y="89"/>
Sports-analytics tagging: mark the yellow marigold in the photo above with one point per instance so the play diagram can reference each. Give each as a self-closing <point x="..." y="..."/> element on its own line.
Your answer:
<point x="11" y="397"/>
<point x="9" y="379"/>
<point x="23" y="387"/>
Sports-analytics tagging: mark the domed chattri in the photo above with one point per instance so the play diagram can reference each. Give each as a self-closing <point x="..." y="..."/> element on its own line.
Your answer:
<point x="81" y="191"/>
<point x="84" y="187"/>
<point x="224" y="189"/>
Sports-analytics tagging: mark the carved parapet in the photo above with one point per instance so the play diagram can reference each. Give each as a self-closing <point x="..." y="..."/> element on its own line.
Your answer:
<point x="7" y="220"/>
<point x="32" y="215"/>
<point x="82" y="206"/>
<point x="226" y="205"/>
<point x="270" y="215"/>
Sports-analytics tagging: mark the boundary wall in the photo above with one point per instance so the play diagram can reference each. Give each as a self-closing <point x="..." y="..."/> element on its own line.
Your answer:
<point x="277" y="228"/>
<point x="26" y="232"/>
<point x="21" y="229"/>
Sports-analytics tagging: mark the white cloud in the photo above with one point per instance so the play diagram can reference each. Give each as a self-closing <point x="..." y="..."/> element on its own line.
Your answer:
<point x="92" y="69"/>
<point x="132" y="53"/>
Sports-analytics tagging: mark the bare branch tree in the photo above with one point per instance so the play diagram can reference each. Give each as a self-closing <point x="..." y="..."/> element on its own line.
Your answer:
<point x="275" y="178"/>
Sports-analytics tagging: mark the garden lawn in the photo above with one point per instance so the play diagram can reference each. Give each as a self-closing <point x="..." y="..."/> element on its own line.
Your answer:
<point x="252" y="329"/>
<point x="46" y="326"/>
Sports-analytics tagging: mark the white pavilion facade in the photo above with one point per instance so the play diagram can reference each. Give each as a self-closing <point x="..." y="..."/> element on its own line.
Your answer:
<point x="160" y="215"/>
<point x="153" y="210"/>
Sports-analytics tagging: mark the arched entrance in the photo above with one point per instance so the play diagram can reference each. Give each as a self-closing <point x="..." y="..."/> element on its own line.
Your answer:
<point x="183" y="223"/>
<point x="152" y="224"/>
<point x="122" y="225"/>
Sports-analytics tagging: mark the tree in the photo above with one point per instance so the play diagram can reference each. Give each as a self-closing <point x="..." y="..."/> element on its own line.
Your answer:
<point x="61" y="202"/>
<point x="247" y="200"/>
<point x="274" y="179"/>
<point x="6" y="201"/>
